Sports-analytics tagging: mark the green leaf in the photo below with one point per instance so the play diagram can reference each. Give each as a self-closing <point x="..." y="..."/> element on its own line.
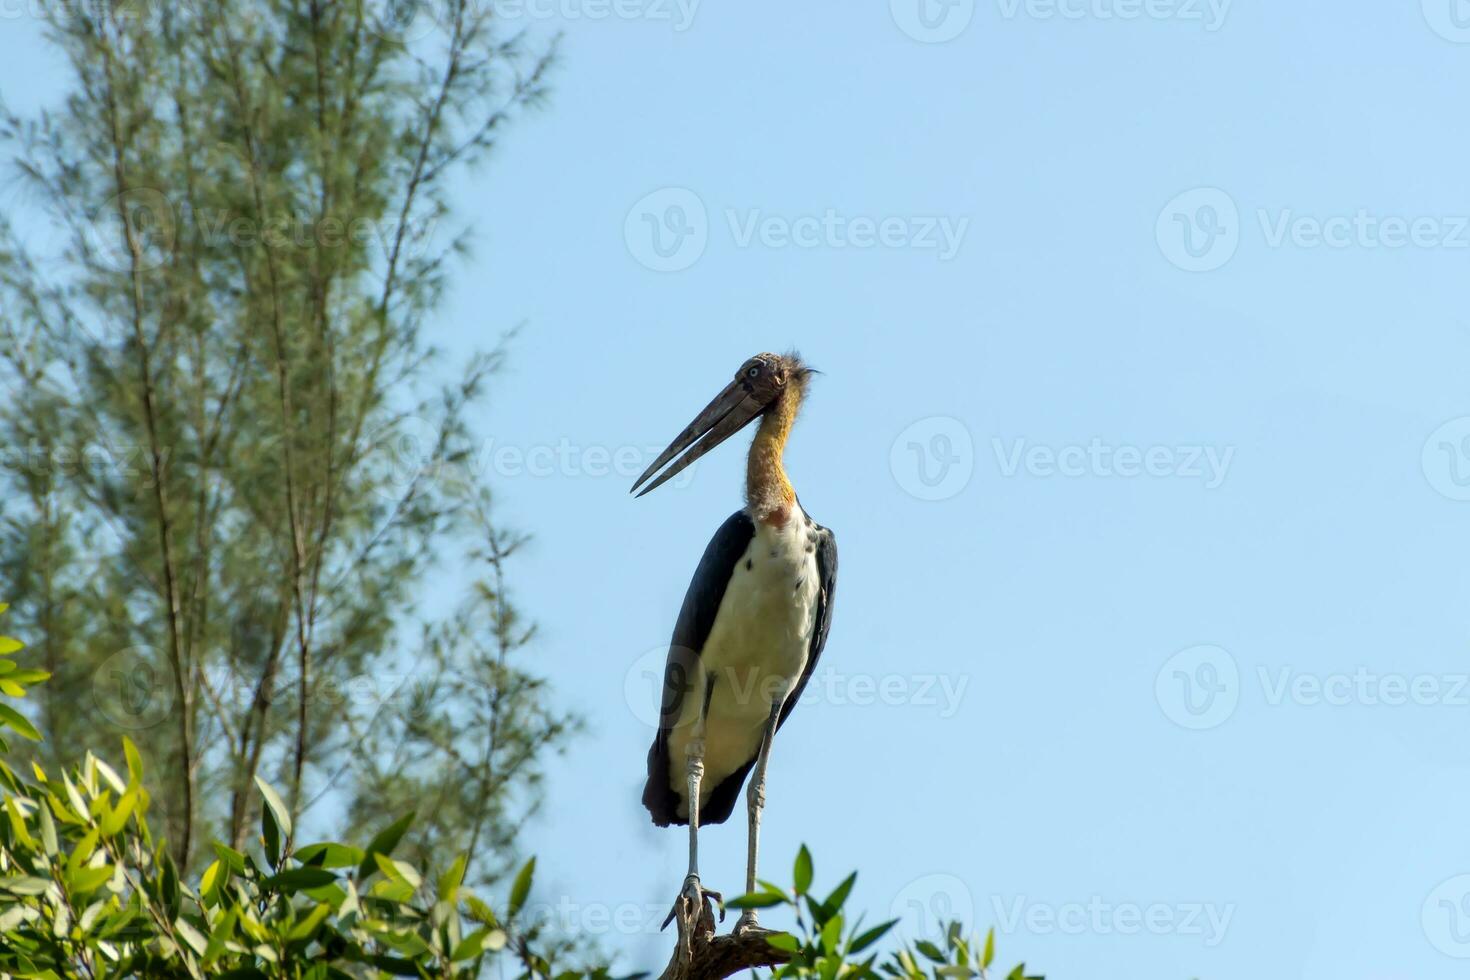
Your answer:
<point x="16" y="720"/>
<point x="168" y="883"/>
<point x="25" y="885"/>
<point x="18" y="822"/>
<point x="232" y="858"/>
<point x="116" y="820"/>
<point x="223" y="932"/>
<point x="135" y="762"/>
<point x="10" y="645"/>
<point x="871" y="936"/>
<point x="834" y="901"/>
<point x="191" y="936"/>
<point x="387" y="866"/>
<point x="479" y="911"/>
<point x="275" y="820"/>
<point x="211" y="878"/>
<point x="396" y="966"/>
<point x="307" y="926"/>
<point x="988" y="957"/>
<point x="392" y="890"/>
<point x="88" y="879"/>
<point x="757" y="900"/>
<point x="930" y="950"/>
<point x="832" y="934"/>
<point x="522" y="886"/>
<point x="383" y="843"/>
<point x="784" y="941"/>
<point x="486" y="939"/>
<point x="449" y="881"/>
<point x="295" y="879"/>
<point x="48" y="831"/>
<point x="802" y="872"/>
<point x="329" y="854"/>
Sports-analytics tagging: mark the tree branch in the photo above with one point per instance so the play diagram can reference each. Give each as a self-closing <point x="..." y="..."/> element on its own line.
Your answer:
<point x="700" y="954"/>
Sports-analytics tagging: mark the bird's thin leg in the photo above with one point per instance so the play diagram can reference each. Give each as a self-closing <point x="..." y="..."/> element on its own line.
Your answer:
<point x="693" y="893"/>
<point x="694" y="774"/>
<point x="755" y="798"/>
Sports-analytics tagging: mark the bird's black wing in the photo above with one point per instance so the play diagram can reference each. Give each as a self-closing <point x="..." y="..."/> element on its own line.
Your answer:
<point x="723" y="797"/>
<point x="696" y="619"/>
<point x="827" y="569"/>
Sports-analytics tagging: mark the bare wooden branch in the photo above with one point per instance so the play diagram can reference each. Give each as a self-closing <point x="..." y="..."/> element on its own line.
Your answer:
<point x="701" y="954"/>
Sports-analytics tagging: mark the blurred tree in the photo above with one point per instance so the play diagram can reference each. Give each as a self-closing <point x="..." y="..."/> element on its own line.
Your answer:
<point x="226" y="468"/>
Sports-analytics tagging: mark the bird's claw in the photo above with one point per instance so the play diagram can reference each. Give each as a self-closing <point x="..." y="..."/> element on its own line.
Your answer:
<point x="693" y="900"/>
<point x="747" y="923"/>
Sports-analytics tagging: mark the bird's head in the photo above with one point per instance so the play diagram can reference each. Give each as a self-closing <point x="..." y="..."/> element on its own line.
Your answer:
<point x="758" y="386"/>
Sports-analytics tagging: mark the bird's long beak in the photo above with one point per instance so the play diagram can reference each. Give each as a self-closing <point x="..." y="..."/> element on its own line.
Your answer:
<point x="731" y="411"/>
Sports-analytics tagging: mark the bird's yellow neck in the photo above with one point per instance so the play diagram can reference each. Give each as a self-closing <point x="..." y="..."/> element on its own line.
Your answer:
<point x="768" y="492"/>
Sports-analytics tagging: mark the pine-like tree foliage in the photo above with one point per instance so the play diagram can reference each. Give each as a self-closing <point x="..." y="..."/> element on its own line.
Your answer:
<point x="227" y="465"/>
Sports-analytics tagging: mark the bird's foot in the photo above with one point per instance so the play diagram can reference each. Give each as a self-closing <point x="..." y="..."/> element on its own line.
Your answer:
<point x="747" y="923"/>
<point x="694" y="903"/>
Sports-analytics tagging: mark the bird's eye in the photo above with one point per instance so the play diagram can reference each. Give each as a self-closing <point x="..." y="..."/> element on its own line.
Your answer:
<point x="753" y="372"/>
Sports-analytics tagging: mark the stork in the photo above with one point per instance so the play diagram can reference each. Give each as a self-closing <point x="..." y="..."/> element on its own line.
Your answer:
<point x="751" y="628"/>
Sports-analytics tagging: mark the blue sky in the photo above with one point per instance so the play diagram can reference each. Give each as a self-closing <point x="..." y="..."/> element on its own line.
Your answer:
<point x="1143" y="433"/>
